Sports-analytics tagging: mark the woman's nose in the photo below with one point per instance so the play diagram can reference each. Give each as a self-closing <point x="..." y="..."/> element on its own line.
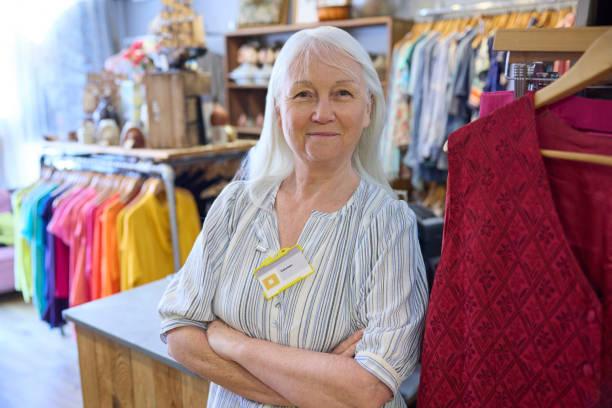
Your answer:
<point x="324" y="112"/>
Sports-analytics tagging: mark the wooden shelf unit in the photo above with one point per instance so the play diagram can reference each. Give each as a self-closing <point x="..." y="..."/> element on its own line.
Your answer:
<point x="250" y="99"/>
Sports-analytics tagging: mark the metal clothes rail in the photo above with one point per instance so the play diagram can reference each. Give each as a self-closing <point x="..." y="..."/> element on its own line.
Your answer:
<point x="165" y="171"/>
<point x="484" y="7"/>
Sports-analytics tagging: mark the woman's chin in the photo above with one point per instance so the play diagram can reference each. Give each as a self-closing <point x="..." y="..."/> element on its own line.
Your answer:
<point x="323" y="156"/>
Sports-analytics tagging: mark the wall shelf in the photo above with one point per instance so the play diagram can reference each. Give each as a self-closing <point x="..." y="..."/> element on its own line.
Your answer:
<point x="232" y="85"/>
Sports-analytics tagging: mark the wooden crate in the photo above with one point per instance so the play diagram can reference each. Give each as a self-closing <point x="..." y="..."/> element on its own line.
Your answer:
<point x="174" y="109"/>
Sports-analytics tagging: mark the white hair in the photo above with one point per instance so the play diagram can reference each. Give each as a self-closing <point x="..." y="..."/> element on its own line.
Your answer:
<point x="271" y="160"/>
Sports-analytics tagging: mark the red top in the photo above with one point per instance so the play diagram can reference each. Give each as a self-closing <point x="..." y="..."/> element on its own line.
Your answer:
<point x="520" y="313"/>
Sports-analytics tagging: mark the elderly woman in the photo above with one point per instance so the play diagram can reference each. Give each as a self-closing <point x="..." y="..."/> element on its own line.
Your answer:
<point x="337" y="320"/>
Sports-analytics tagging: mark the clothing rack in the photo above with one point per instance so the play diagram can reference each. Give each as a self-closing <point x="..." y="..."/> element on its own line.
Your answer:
<point x="526" y="47"/>
<point x="165" y="171"/>
<point x="546" y="44"/>
<point x="490" y="7"/>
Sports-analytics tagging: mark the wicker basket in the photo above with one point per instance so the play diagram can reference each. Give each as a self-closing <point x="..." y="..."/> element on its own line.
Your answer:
<point x="334" y="13"/>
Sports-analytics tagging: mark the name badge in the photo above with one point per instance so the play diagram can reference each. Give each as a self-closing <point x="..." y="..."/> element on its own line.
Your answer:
<point x="283" y="270"/>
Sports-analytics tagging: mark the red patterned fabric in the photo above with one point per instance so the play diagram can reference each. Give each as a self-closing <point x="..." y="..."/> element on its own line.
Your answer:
<point x="519" y="313"/>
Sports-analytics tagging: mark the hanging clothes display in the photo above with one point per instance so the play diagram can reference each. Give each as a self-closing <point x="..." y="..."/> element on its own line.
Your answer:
<point x="69" y="243"/>
<point x="439" y="72"/>
<point x="520" y="311"/>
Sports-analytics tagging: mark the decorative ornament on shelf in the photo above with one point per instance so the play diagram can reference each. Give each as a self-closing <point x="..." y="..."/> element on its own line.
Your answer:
<point x="219" y="119"/>
<point x="86" y="134"/>
<point x="334" y="9"/>
<point x="265" y="58"/>
<point x="132" y="136"/>
<point x="108" y="133"/>
<point x="246" y="72"/>
<point x="262" y="12"/>
<point x="178" y="25"/>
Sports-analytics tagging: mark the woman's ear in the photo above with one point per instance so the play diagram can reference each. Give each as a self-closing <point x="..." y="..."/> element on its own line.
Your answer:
<point x="279" y="119"/>
<point x="367" y="117"/>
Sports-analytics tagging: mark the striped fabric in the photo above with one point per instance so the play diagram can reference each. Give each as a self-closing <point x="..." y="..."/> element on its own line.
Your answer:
<point x="369" y="274"/>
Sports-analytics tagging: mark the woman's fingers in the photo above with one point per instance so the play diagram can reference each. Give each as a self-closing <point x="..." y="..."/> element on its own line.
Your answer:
<point x="349" y="344"/>
<point x="350" y="351"/>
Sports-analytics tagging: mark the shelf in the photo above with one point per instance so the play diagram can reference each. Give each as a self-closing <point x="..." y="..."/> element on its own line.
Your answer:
<point x="151" y="154"/>
<point x="254" y="87"/>
<point x="249" y="130"/>
<point x="351" y="23"/>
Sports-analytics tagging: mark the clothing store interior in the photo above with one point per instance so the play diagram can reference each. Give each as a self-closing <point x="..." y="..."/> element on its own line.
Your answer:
<point x="257" y="203"/>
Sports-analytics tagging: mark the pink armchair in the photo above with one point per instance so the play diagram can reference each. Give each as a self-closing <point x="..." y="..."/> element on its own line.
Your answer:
<point x="7" y="280"/>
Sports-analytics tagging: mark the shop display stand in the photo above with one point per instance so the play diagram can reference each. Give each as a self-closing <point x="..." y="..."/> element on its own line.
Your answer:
<point x="157" y="163"/>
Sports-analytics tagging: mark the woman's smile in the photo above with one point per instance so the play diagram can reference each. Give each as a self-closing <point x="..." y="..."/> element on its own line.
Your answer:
<point x="322" y="134"/>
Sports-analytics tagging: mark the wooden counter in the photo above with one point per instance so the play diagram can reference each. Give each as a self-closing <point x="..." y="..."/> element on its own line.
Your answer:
<point x="123" y="362"/>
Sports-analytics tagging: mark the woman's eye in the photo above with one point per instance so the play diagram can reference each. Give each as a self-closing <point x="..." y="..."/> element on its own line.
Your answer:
<point x="344" y="92"/>
<point x="302" y="94"/>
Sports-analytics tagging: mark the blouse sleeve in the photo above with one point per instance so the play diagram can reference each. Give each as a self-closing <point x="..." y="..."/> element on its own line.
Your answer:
<point x="188" y="298"/>
<point x="394" y="296"/>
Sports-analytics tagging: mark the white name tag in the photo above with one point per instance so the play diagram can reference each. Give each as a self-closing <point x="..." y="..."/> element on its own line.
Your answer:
<point x="285" y="269"/>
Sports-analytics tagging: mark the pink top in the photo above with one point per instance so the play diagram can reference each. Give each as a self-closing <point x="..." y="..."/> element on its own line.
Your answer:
<point x="64" y="226"/>
<point x="582" y="113"/>
<point x="62" y="250"/>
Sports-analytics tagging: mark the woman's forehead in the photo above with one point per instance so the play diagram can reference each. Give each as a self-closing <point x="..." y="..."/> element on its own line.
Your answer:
<point x="316" y="67"/>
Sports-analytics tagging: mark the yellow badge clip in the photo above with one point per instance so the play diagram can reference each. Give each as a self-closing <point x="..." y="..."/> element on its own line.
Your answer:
<point x="283" y="270"/>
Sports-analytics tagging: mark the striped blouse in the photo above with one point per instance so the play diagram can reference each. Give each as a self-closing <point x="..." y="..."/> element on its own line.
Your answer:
<point x="369" y="273"/>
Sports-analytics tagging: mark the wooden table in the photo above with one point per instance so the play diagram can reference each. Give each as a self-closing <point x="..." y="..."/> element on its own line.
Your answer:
<point x="123" y="362"/>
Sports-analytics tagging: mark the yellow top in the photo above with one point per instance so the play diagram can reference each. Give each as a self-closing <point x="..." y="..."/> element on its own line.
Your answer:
<point x="145" y="240"/>
<point x="22" y="267"/>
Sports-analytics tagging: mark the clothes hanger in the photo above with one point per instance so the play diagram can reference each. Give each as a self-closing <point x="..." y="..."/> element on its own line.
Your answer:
<point x="130" y="188"/>
<point x="595" y="63"/>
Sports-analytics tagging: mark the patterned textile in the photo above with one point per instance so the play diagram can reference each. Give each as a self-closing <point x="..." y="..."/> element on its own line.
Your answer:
<point x="520" y="308"/>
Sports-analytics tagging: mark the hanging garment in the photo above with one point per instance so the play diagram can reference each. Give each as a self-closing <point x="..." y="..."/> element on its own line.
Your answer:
<point x="54" y="304"/>
<point x="61" y="247"/>
<point x="22" y="266"/>
<point x="109" y="269"/>
<point x="83" y="286"/>
<point x="66" y="225"/>
<point x="98" y="253"/>
<point x="520" y="308"/>
<point x="39" y="250"/>
<point x="34" y="231"/>
<point x="419" y="82"/>
<point x="398" y="128"/>
<point x="89" y="218"/>
<point x="145" y="245"/>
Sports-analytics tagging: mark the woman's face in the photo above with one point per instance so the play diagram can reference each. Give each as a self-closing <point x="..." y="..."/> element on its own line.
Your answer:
<point x="323" y="111"/>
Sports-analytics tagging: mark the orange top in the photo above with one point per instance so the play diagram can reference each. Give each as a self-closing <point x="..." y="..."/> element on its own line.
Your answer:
<point x="97" y="250"/>
<point x="109" y="270"/>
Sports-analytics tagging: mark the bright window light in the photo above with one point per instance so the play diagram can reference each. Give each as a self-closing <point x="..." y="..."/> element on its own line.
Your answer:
<point x="23" y="27"/>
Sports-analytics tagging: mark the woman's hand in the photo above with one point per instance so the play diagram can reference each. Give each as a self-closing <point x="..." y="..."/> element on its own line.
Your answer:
<point x="348" y="346"/>
<point x="223" y="339"/>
